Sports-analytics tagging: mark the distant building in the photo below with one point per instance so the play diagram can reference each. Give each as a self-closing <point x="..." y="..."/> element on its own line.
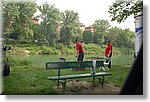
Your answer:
<point x="91" y="28"/>
<point x="35" y="20"/>
<point x="82" y="27"/>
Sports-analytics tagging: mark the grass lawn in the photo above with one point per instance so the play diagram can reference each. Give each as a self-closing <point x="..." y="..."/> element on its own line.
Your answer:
<point x="28" y="80"/>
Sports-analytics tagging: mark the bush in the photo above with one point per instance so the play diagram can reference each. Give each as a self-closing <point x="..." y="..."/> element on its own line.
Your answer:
<point x="92" y="48"/>
<point x="60" y="46"/>
<point x="70" y="51"/>
<point x="71" y="46"/>
<point x="44" y="50"/>
<point x="14" y="62"/>
<point x="48" y="50"/>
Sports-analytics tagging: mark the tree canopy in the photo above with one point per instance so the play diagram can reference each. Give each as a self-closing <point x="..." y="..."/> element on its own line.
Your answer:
<point x="57" y="26"/>
<point x="17" y="19"/>
<point x="100" y="29"/>
<point x="70" y="26"/>
<point x="121" y="9"/>
<point x="50" y="16"/>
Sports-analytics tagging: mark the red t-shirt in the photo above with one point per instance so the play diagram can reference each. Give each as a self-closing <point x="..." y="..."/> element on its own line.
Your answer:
<point x="79" y="48"/>
<point x="108" y="49"/>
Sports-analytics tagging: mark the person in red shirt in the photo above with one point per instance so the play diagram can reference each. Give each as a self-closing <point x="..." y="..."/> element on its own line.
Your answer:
<point x="108" y="52"/>
<point x="79" y="53"/>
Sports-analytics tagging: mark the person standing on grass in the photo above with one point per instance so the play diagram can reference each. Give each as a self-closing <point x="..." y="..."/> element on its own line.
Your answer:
<point x="108" y="52"/>
<point x="79" y="51"/>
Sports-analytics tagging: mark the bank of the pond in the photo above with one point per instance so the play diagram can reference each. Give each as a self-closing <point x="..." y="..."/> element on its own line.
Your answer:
<point x="61" y="49"/>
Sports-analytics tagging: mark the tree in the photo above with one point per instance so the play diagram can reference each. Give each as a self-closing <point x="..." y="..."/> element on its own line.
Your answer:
<point x="100" y="29"/>
<point x="50" y="24"/>
<point x="87" y="36"/>
<point x="112" y="34"/>
<point x="129" y="38"/>
<point x="18" y="20"/>
<point x="101" y="25"/>
<point x="70" y="26"/>
<point x="121" y="9"/>
<point x="120" y="38"/>
<point x="10" y="14"/>
<point x="97" y="38"/>
<point x="27" y="10"/>
<point x="65" y="35"/>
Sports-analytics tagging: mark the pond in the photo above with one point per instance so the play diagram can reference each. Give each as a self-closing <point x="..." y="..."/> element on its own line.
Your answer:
<point x="40" y="60"/>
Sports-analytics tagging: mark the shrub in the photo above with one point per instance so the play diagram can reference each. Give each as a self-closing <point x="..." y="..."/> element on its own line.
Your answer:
<point x="14" y="62"/>
<point x="60" y="46"/>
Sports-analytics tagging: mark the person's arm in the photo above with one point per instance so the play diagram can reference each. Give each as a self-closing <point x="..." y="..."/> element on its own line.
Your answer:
<point x="110" y="50"/>
<point x="77" y="52"/>
<point x="77" y="49"/>
<point x="109" y="53"/>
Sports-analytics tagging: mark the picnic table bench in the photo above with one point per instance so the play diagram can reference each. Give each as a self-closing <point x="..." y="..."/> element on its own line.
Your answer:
<point x="74" y="64"/>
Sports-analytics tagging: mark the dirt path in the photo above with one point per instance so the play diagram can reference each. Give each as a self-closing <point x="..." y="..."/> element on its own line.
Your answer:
<point x="86" y="88"/>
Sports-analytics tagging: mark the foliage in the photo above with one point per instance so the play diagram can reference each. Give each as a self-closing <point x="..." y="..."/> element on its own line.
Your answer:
<point x="36" y="30"/>
<point x="121" y="38"/>
<point x="57" y="27"/>
<point x="26" y="35"/>
<point x="17" y="19"/>
<point x="50" y="16"/>
<point x="61" y="47"/>
<point x="15" y="62"/>
<point x="100" y="29"/>
<point x="87" y="36"/>
<point x="65" y="35"/>
<point x="70" y="27"/>
<point x="101" y="25"/>
<point x="121" y="9"/>
<point x="92" y="48"/>
<point x="48" y="50"/>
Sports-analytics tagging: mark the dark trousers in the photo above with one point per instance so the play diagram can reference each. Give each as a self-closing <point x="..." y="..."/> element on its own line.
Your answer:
<point x="80" y="57"/>
<point x="109" y="65"/>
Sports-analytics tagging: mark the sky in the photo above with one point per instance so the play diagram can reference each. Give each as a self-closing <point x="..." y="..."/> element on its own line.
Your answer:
<point x="91" y="10"/>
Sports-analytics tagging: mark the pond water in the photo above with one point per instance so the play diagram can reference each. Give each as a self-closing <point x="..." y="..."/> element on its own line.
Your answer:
<point x="40" y="60"/>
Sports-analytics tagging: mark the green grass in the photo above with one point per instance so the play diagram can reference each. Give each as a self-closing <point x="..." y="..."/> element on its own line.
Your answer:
<point x="28" y="80"/>
<point x="119" y="74"/>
